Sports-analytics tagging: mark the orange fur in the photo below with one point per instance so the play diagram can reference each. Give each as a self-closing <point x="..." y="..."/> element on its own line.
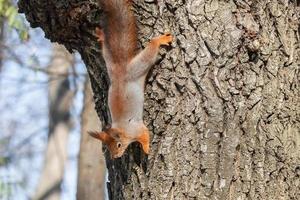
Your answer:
<point x="127" y="70"/>
<point x="144" y="140"/>
<point x="118" y="106"/>
<point x="114" y="139"/>
<point x="120" y="29"/>
<point x="103" y="136"/>
<point x="100" y="35"/>
<point x="165" y="39"/>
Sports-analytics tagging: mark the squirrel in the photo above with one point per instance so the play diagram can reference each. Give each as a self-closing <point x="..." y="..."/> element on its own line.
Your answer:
<point x="127" y="69"/>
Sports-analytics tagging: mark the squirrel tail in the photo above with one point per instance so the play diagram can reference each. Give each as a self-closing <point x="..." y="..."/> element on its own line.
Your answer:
<point x="120" y="30"/>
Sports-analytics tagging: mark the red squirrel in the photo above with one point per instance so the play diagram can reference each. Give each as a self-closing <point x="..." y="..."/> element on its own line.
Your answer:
<point x="127" y="70"/>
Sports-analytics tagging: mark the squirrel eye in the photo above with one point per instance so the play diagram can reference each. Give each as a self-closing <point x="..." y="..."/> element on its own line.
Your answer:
<point x="119" y="144"/>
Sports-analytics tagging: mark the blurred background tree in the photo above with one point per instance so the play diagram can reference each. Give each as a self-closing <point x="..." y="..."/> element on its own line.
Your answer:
<point x="41" y="98"/>
<point x="91" y="165"/>
<point x="60" y="101"/>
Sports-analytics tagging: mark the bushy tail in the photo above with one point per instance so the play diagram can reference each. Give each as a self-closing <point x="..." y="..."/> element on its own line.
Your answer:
<point x="120" y="30"/>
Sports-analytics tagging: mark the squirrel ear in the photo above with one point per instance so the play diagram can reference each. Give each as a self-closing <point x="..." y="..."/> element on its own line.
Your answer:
<point x="143" y="139"/>
<point x="103" y="136"/>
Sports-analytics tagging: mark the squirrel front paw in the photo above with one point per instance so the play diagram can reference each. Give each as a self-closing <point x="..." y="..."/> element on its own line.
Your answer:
<point x="165" y="39"/>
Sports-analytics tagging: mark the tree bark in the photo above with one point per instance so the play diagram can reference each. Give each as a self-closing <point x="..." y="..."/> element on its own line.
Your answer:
<point x="60" y="101"/>
<point x="91" y="165"/>
<point x="222" y="104"/>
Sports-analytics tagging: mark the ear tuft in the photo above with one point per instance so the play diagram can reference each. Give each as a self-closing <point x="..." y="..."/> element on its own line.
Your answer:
<point x="103" y="136"/>
<point x="93" y="134"/>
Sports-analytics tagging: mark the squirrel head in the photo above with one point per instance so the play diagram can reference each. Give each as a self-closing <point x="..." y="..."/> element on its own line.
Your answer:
<point x="118" y="140"/>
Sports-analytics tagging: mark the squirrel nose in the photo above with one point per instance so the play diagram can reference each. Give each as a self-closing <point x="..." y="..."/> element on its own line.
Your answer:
<point x="116" y="156"/>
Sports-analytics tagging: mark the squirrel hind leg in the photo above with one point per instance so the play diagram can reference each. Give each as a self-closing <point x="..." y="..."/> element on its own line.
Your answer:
<point x="99" y="35"/>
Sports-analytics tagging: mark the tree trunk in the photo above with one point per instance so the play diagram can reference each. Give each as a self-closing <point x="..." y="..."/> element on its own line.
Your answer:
<point x="2" y="32"/>
<point x="60" y="101"/>
<point x="91" y="164"/>
<point x="222" y="104"/>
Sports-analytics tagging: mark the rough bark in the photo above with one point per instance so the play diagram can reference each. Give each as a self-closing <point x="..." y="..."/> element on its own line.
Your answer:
<point x="222" y="105"/>
<point x="91" y="164"/>
<point x="60" y="101"/>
